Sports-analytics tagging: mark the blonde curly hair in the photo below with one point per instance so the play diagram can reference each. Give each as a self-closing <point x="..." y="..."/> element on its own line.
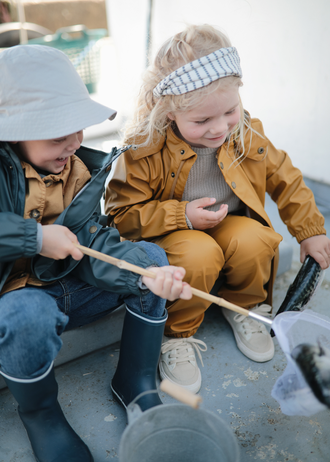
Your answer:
<point x="150" y="119"/>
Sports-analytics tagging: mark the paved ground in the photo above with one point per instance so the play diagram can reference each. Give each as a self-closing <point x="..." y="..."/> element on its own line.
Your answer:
<point x="234" y="388"/>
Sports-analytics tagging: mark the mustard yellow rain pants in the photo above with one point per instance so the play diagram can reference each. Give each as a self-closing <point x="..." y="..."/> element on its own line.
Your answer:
<point x="239" y="247"/>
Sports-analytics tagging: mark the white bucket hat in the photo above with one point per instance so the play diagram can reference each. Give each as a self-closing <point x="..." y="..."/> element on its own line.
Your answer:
<point x="42" y="96"/>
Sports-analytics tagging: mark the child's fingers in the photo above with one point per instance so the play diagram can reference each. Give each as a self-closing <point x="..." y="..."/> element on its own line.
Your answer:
<point x="302" y="255"/>
<point x="214" y="218"/>
<point x="172" y="286"/>
<point x="203" y="202"/>
<point x="72" y="250"/>
<point x="323" y="259"/>
<point x="179" y="273"/>
<point x="76" y="254"/>
<point x="177" y="288"/>
<point x="168" y="283"/>
<point x="156" y="285"/>
<point x="222" y="212"/>
<point x="186" y="292"/>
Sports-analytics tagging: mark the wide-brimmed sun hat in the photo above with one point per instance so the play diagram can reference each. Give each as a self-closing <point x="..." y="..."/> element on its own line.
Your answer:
<point x="42" y="96"/>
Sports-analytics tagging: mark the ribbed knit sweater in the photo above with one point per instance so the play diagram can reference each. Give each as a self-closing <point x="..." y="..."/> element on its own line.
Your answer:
<point x="206" y="180"/>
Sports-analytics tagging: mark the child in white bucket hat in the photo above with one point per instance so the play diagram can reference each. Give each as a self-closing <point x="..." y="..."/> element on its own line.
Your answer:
<point x="50" y="190"/>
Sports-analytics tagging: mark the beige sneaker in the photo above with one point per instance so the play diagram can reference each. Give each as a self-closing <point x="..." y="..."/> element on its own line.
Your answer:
<point x="178" y="362"/>
<point x="251" y="336"/>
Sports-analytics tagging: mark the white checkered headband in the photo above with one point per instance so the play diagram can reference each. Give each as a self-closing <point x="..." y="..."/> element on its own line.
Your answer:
<point x="201" y="72"/>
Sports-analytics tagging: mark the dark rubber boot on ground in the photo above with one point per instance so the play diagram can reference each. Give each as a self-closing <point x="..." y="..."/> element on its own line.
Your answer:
<point x="52" y="438"/>
<point x="138" y="359"/>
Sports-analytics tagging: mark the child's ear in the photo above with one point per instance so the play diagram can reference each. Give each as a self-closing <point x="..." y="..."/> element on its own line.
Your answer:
<point x="171" y="116"/>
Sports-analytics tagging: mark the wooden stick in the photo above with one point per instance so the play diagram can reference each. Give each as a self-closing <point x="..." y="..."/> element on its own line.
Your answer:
<point x="180" y="393"/>
<point x="122" y="264"/>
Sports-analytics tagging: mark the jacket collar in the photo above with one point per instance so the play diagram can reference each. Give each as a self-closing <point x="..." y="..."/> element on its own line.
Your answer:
<point x="174" y="143"/>
<point x="93" y="158"/>
<point x="171" y="140"/>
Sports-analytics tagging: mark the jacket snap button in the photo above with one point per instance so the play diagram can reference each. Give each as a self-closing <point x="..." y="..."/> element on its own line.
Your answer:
<point x="233" y="185"/>
<point x="35" y="213"/>
<point x="93" y="229"/>
<point x="261" y="150"/>
<point x="22" y="275"/>
<point x="182" y="152"/>
<point x="172" y="174"/>
<point x="221" y="165"/>
<point x="48" y="183"/>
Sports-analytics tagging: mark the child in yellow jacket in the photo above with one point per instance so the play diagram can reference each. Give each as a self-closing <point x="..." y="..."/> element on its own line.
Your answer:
<point x="195" y="181"/>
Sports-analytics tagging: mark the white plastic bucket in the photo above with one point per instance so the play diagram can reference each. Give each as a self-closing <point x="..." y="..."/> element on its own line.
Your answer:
<point x="176" y="433"/>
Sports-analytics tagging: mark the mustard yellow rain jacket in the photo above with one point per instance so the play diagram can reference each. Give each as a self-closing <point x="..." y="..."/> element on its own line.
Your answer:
<point x="144" y="194"/>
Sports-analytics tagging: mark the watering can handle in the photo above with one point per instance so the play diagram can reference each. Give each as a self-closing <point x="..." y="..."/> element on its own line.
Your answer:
<point x="180" y="393"/>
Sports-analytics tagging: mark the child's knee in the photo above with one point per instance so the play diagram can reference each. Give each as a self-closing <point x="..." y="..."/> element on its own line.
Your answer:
<point x="155" y="252"/>
<point x="30" y="325"/>
<point x="31" y="309"/>
<point x="261" y="241"/>
<point x="252" y="247"/>
<point x="197" y="251"/>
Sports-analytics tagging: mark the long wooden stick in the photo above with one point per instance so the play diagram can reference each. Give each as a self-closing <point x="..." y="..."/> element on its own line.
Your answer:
<point x="180" y="393"/>
<point x="122" y="264"/>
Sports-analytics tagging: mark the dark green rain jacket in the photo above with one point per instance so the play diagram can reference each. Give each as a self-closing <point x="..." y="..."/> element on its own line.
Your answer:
<point x="18" y="236"/>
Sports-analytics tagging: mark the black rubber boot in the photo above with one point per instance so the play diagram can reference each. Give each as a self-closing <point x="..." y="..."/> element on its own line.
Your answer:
<point x="52" y="438"/>
<point x="140" y="346"/>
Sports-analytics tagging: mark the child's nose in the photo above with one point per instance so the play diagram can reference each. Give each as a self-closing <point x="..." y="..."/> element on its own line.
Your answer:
<point x="219" y="127"/>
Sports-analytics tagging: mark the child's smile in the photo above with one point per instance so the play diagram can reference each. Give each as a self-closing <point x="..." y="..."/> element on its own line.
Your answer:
<point x="210" y="123"/>
<point x="51" y="155"/>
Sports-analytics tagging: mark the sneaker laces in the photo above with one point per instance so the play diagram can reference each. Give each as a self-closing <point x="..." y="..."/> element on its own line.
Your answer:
<point x="250" y="325"/>
<point x="180" y="349"/>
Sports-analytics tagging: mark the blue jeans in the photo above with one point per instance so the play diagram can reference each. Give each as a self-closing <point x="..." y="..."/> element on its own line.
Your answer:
<point x="33" y="318"/>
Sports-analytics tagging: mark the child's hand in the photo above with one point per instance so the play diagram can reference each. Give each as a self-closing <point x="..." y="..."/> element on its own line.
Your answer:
<point x="58" y="243"/>
<point x="205" y="219"/>
<point x="317" y="247"/>
<point x="168" y="283"/>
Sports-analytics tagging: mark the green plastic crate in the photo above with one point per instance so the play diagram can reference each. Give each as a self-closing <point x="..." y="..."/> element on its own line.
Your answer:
<point x="82" y="46"/>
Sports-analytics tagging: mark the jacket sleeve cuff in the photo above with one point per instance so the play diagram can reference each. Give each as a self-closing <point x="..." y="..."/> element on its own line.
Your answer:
<point x="30" y="242"/>
<point x="181" y="215"/>
<point x="318" y="230"/>
<point x="39" y="238"/>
